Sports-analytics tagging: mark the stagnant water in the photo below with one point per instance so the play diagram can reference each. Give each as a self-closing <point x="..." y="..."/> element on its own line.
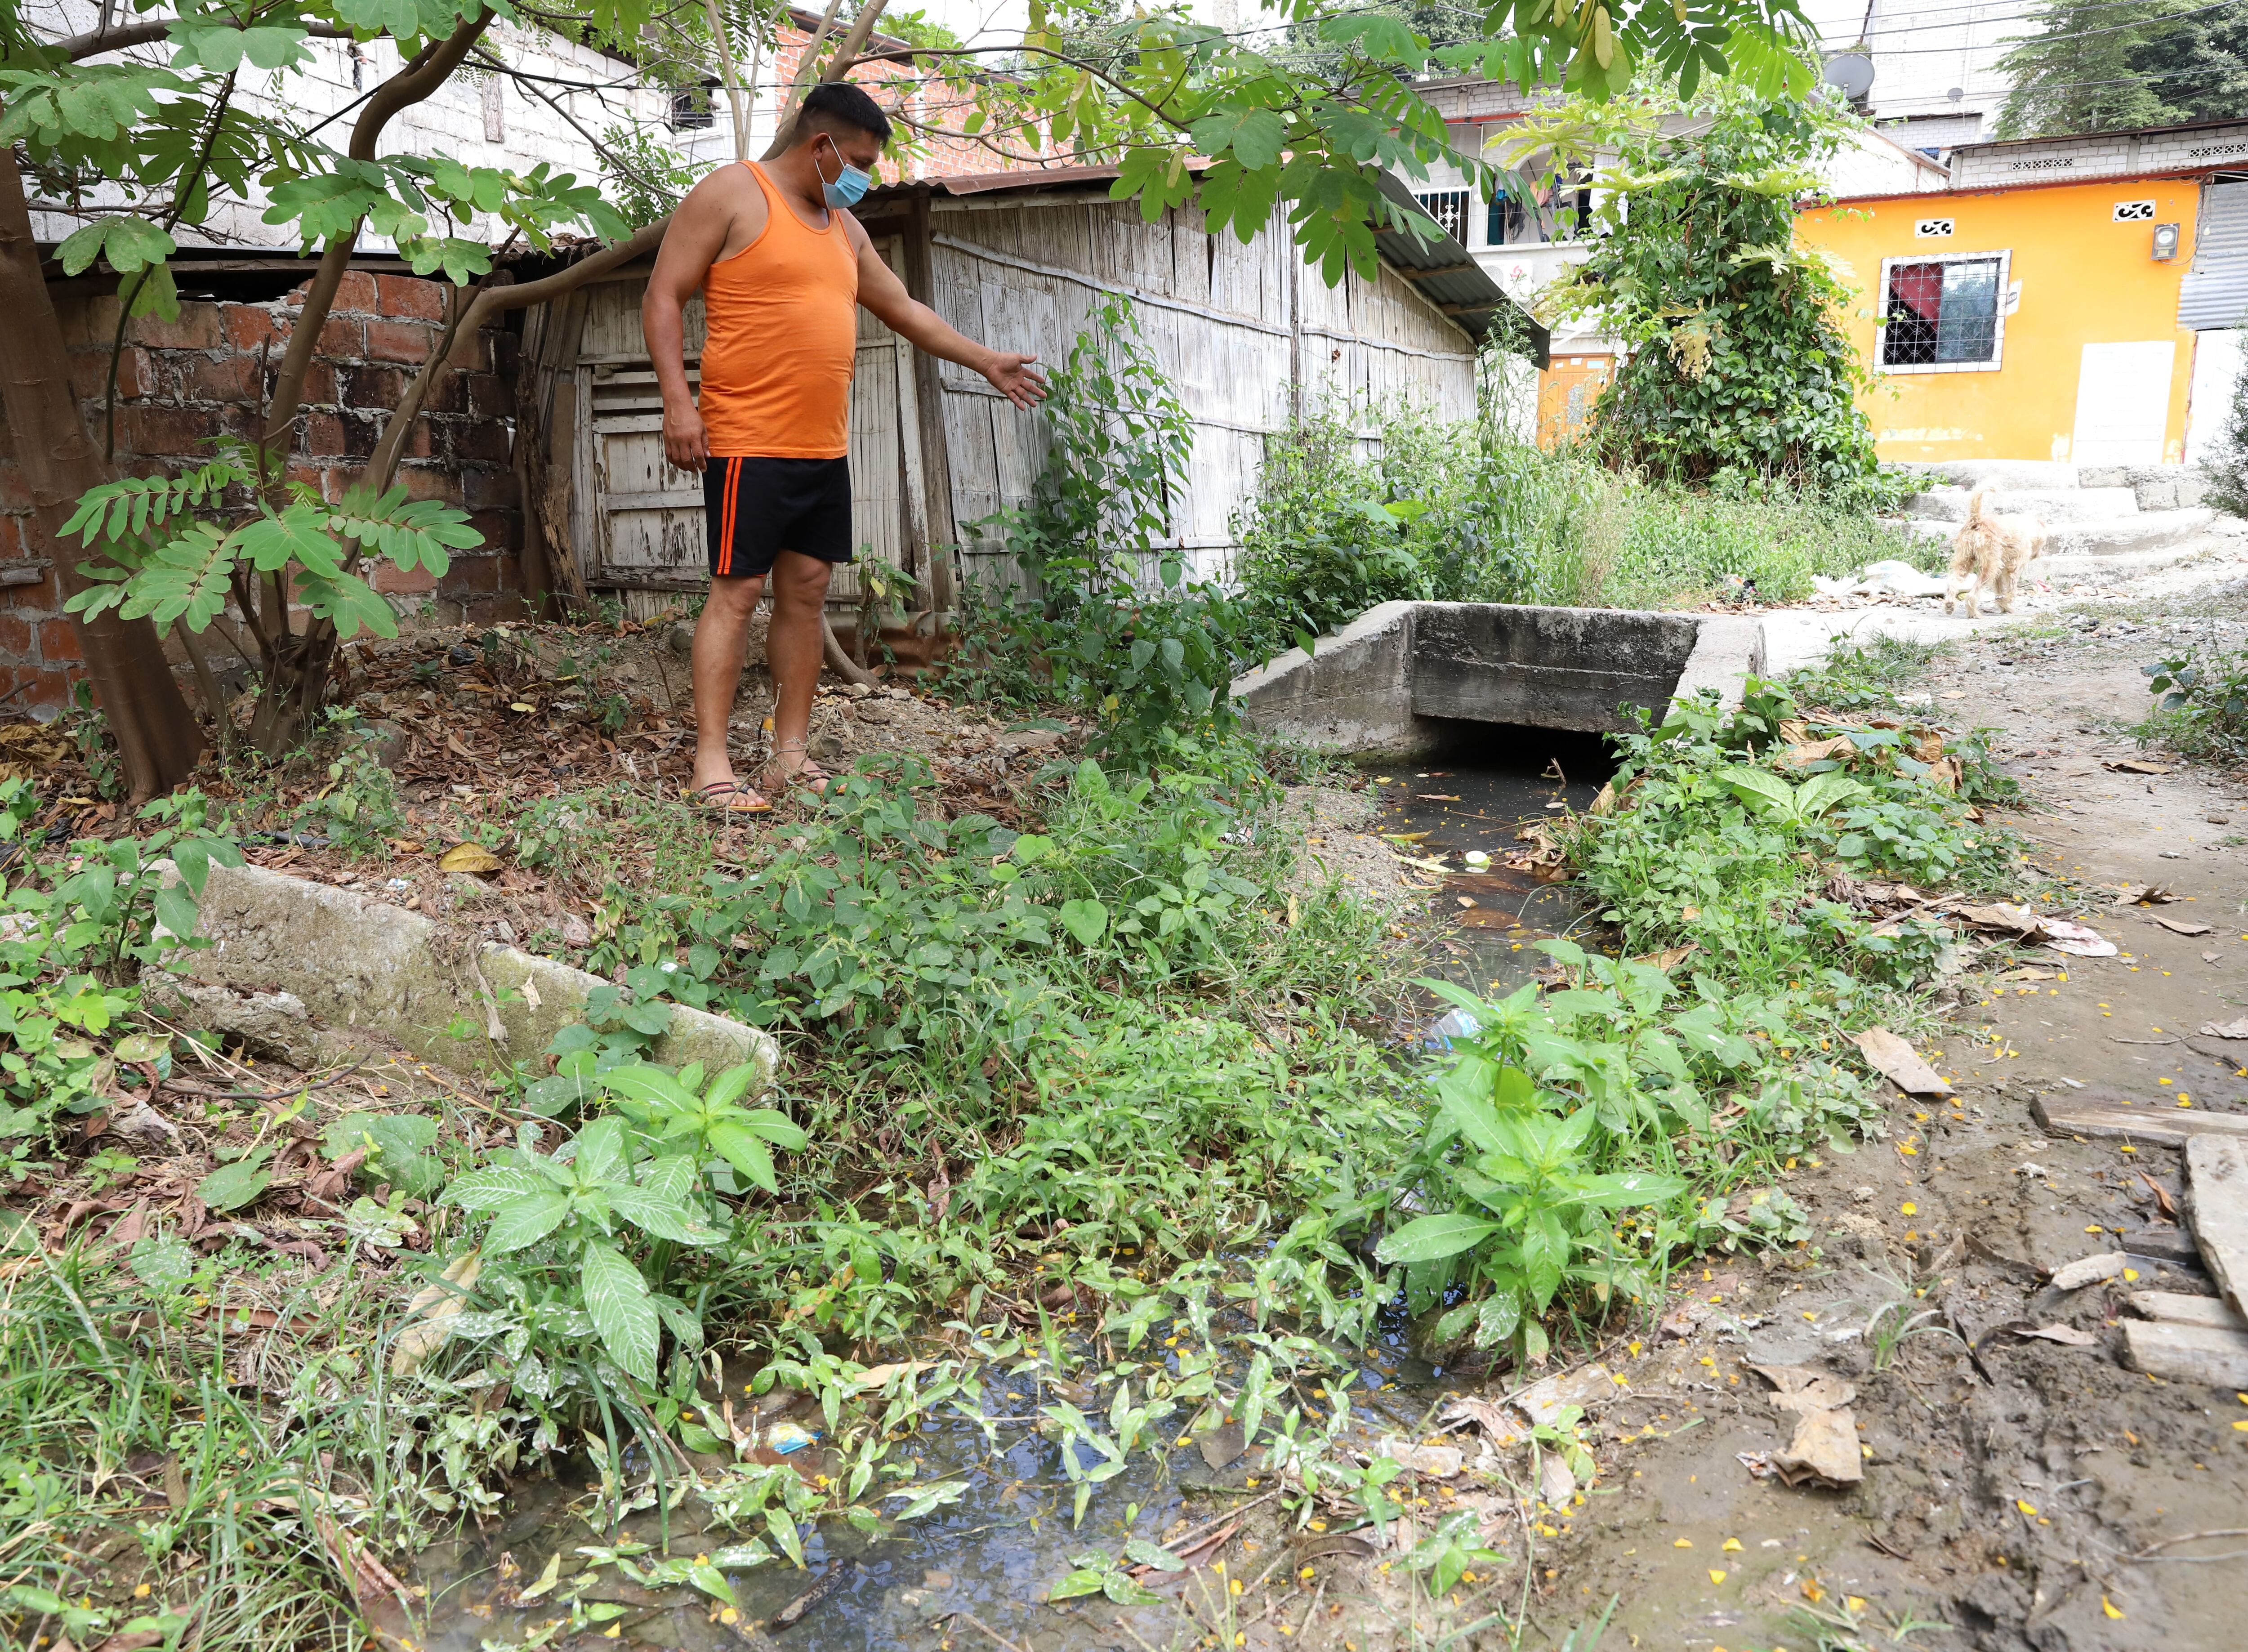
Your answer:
<point x="996" y="1551"/>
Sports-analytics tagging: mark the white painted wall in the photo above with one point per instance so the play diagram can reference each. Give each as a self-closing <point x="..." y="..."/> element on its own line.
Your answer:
<point x="2217" y="366"/>
<point x="1934" y="60"/>
<point x="592" y="89"/>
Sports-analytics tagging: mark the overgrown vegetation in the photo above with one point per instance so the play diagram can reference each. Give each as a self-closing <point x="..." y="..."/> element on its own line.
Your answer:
<point x="1741" y="369"/>
<point x="1355" y="509"/>
<point x="2201" y="704"/>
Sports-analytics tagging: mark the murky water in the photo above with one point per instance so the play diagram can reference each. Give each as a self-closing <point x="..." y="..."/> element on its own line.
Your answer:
<point x="997" y="1550"/>
<point x="1477" y="801"/>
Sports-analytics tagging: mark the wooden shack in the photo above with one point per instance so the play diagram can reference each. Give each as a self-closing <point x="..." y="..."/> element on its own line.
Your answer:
<point x="1247" y="334"/>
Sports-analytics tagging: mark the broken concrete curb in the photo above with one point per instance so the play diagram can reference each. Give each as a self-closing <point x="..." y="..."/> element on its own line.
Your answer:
<point x="288" y="951"/>
<point x="1392" y="682"/>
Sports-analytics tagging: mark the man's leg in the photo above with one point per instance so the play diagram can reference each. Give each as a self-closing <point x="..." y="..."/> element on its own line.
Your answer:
<point x="721" y="635"/>
<point x="793" y="648"/>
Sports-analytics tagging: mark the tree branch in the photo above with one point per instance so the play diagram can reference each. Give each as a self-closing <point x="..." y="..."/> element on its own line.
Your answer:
<point x="431" y="67"/>
<point x="78" y="48"/>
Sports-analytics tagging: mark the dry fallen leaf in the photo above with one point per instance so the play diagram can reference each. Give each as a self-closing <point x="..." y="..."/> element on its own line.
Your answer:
<point x="428" y="1314"/>
<point x="2090" y="1269"/>
<point x="468" y="857"/>
<point x="2183" y="926"/>
<point x="1894" y="1060"/>
<point x="2135" y="765"/>
<point x="2064" y="1335"/>
<point x="2146" y="894"/>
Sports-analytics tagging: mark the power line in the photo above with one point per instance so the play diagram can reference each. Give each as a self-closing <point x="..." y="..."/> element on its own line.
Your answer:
<point x="2056" y="39"/>
<point x="1921" y="21"/>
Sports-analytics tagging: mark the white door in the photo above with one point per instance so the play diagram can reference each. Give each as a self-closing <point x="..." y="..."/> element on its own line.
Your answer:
<point x="2216" y="371"/>
<point x="2123" y="403"/>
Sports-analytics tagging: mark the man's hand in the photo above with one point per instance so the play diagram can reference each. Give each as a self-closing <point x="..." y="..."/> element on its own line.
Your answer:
<point x="1011" y="375"/>
<point x="685" y="441"/>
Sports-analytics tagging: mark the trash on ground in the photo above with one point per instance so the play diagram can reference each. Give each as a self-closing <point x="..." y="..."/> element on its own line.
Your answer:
<point x="1888" y="578"/>
<point x="2078" y="940"/>
<point x="1438" y="1461"/>
<point x="2226" y="1029"/>
<point x="1543" y="1401"/>
<point x="1824" y="1450"/>
<point x="1498" y="1423"/>
<point x="2089" y="1270"/>
<point x="1895" y="1060"/>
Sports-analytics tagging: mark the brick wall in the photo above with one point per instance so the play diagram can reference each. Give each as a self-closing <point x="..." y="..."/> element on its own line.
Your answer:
<point x="206" y="373"/>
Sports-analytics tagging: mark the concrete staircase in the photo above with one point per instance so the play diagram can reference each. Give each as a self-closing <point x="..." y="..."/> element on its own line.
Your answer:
<point x="2101" y="522"/>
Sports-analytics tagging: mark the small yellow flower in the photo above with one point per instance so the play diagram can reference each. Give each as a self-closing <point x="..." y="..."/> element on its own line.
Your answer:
<point x="1716" y="1576"/>
<point x="2026" y="1508"/>
<point x="2110" y="1608"/>
<point x="1683" y="1543"/>
<point x="1732" y="1545"/>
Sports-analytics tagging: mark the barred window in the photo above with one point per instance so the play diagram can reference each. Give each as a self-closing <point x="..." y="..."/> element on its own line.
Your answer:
<point x="1450" y="209"/>
<point x="1549" y="215"/>
<point x="1943" y="313"/>
<point x="694" y="108"/>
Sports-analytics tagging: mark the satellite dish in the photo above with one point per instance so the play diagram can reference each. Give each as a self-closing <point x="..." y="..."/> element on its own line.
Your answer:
<point x="1852" y="73"/>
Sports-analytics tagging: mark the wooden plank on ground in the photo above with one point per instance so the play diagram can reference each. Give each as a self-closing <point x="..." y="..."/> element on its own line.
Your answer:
<point x="2146" y="1122"/>
<point x="2175" y="1308"/>
<point x="2217" y="1201"/>
<point x="2189" y="1353"/>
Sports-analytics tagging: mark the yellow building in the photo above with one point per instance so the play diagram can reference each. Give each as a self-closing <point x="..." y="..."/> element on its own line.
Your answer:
<point x="2040" y="319"/>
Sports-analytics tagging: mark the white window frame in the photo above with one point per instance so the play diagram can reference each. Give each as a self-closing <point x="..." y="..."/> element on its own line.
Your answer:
<point x="1999" y="334"/>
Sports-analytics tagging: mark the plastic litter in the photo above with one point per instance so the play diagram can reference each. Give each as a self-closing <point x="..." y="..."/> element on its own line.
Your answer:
<point x="1886" y="579"/>
<point x="1453" y="1024"/>
<point x="789" y="1436"/>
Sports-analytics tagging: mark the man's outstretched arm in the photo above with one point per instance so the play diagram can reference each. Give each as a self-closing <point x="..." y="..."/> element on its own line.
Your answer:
<point x="697" y="235"/>
<point x="882" y="293"/>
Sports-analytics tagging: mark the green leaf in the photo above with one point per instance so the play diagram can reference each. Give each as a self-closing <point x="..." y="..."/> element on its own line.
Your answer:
<point x="777" y="1128"/>
<point x="1087" y="920"/>
<point x="617" y="1301"/>
<point x="601" y="1149"/>
<point x="1146" y="1553"/>
<point x="744" y="1149"/>
<point x="232" y="1186"/>
<point x="1755" y="787"/>
<point x="1078" y="1585"/>
<point x="176" y="909"/>
<point x="1430" y="1238"/>
<point x="490" y="1190"/>
<point x="526" y="1221"/>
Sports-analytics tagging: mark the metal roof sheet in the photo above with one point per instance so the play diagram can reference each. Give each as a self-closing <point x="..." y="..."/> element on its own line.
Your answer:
<point x="1446" y="273"/>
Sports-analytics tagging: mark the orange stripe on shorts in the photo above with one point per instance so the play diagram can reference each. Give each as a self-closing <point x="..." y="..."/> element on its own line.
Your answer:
<point x="726" y="518"/>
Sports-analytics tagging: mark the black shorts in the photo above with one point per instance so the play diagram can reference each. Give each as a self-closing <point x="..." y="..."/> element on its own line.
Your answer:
<point x="760" y="508"/>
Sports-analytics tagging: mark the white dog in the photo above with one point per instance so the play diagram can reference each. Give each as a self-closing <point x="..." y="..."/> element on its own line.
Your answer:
<point x="1990" y="551"/>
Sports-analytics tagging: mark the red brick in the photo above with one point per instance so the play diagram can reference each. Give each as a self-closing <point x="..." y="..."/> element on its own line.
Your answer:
<point x="14" y="541"/>
<point x="409" y="297"/>
<point x="197" y="328"/>
<point x="473" y="574"/>
<point x="505" y="348"/>
<point x="58" y="642"/>
<point x="309" y="474"/>
<point x="483" y="440"/>
<point x="342" y="339"/>
<point x="469" y="355"/>
<point x="418" y="441"/>
<point x="90" y="373"/>
<point x="378" y="388"/>
<point x="393" y="580"/>
<point x="422" y="482"/>
<point x="15" y="491"/>
<point x="97" y="322"/>
<point x="18" y="640"/>
<point x="492" y="489"/>
<point x="490" y="396"/>
<point x="356" y="293"/>
<point x="319" y="382"/>
<point x="163" y="432"/>
<point x="407" y="341"/>
<point x="500" y="529"/>
<point x="249" y="326"/>
<point x="229" y="378"/>
<point x="322" y="435"/>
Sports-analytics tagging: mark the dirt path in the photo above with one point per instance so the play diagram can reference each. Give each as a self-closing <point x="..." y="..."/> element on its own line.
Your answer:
<point x="2009" y="1492"/>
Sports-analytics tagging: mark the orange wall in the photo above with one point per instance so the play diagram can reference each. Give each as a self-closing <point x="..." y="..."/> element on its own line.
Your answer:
<point x="2085" y="279"/>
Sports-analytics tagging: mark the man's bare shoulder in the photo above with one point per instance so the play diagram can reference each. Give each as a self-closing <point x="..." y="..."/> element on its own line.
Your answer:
<point x="725" y="188"/>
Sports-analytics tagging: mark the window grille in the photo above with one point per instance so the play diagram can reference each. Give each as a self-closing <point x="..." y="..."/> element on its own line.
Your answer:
<point x="1943" y="313"/>
<point x="692" y="108"/>
<point x="1450" y="209"/>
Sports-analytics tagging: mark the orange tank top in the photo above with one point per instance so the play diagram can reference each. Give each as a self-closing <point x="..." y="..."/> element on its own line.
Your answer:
<point x="782" y="337"/>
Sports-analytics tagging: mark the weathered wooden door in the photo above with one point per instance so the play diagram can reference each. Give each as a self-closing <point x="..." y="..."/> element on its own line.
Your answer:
<point x="641" y="519"/>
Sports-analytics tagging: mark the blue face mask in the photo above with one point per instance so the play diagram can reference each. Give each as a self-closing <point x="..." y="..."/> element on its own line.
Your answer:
<point x="850" y="185"/>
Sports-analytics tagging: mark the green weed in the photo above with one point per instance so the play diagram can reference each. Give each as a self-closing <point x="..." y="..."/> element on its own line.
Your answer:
<point x="2201" y="704"/>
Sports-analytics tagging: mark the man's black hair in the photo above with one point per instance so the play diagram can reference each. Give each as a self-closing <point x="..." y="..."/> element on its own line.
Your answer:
<point x="838" y="103"/>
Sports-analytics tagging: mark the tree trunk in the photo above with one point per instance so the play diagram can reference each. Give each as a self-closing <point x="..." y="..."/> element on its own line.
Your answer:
<point x="296" y="666"/>
<point x="157" y="737"/>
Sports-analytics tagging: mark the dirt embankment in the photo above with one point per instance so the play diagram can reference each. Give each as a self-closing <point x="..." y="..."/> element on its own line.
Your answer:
<point x="2030" y="1491"/>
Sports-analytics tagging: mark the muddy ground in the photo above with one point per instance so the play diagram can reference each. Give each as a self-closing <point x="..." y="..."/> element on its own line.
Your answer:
<point x="2029" y="1493"/>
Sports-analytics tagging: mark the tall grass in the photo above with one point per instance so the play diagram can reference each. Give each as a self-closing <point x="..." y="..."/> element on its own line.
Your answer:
<point x="1348" y="515"/>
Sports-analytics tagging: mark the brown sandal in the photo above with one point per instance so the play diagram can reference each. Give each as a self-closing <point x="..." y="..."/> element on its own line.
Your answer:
<point x="806" y="773"/>
<point x="725" y="797"/>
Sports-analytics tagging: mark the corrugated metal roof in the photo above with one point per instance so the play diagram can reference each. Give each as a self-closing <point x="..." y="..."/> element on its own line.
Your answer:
<point x="2215" y="291"/>
<point x="1446" y="273"/>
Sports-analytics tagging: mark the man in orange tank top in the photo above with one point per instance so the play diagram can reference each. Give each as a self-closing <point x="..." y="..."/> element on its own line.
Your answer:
<point x="781" y="265"/>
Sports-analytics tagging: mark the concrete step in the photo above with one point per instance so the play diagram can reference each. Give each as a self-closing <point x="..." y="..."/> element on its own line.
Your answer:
<point x="2117" y="536"/>
<point x="1999" y="473"/>
<point x="2051" y="506"/>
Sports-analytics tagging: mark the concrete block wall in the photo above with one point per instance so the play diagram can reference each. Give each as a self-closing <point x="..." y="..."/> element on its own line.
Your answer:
<point x="181" y="383"/>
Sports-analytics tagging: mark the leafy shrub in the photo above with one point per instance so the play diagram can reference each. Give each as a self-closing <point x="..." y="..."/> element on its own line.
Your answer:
<point x="2202" y="702"/>
<point x="71" y="951"/>
<point x="1109" y="622"/>
<point x="1740" y="367"/>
